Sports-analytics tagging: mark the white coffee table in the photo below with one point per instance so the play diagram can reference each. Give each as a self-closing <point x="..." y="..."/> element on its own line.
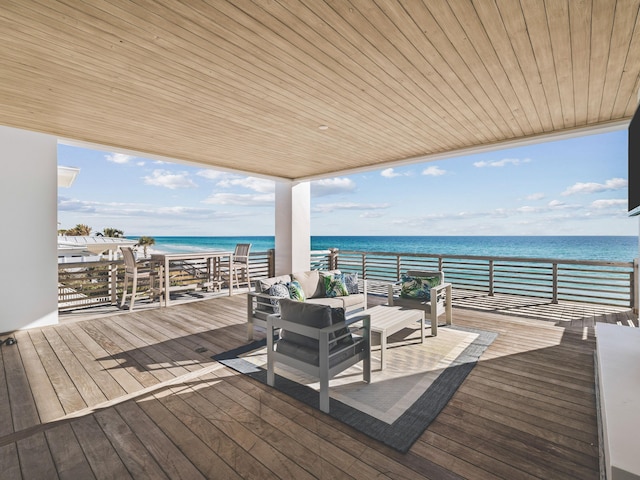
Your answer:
<point x="387" y="320"/>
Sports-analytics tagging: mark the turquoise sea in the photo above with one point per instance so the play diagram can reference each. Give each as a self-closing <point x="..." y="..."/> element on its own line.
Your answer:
<point x="609" y="248"/>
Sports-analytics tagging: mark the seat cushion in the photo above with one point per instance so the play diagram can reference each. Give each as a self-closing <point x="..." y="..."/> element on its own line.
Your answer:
<point x="312" y="356"/>
<point x="332" y="302"/>
<point x="304" y="313"/>
<point x="351" y="301"/>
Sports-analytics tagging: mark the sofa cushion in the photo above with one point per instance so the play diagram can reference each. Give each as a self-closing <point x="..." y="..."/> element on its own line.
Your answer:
<point x="335" y="302"/>
<point x="262" y="286"/>
<point x="310" y="283"/>
<point x="351" y="281"/>
<point x="295" y="291"/>
<point x="304" y="313"/>
<point x="279" y="290"/>
<point x="344" y="334"/>
<point x="352" y="301"/>
<point x="334" y="286"/>
<point x="312" y="355"/>
<point x="418" y="287"/>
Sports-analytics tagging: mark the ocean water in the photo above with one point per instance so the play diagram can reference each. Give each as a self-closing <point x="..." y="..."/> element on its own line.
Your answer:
<point x="608" y="248"/>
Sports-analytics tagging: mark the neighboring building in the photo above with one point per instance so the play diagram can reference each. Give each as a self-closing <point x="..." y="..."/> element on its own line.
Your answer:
<point x="89" y="249"/>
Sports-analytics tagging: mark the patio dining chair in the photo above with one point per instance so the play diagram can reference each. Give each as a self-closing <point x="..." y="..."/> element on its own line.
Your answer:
<point x="131" y="271"/>
<point x="240" y="263"/>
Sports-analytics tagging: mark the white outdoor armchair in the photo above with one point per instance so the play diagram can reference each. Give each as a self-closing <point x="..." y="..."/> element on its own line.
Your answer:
<point x="316" y="340"/>
<point x="436" y="303"/>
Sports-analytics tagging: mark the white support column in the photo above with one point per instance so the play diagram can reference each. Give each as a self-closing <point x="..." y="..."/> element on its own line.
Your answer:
<point x="28" y="246"/>
<point x="293" y="227"/>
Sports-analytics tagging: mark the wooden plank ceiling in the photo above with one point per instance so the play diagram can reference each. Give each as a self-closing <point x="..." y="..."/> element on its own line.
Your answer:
<point x="246" y="85"/>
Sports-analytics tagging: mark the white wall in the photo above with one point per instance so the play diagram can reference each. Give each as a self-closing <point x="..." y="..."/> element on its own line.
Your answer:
<point x="293" y="227"/>
<point x="28" y="248"/>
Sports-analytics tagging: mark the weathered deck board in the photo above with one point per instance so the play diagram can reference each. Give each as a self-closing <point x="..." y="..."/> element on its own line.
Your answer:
<point x="526" y="411"/>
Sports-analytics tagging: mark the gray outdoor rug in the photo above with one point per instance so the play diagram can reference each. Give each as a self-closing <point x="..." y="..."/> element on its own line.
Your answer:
<point x="401" y="400"/>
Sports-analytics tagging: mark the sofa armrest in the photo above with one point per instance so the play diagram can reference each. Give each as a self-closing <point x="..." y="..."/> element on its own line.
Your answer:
<point x="256" y="299"/>
<point x="322" y="334"/>
<point x="364" y="291"/>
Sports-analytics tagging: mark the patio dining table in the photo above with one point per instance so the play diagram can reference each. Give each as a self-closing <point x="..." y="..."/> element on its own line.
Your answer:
<point x="213" y="259"/>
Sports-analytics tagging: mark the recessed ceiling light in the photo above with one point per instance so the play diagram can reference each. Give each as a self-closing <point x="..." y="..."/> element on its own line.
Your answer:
<point x="323" y="127"/>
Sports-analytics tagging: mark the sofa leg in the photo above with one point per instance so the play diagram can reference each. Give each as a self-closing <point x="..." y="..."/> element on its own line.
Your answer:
<point x="250" y="330"/>
<point x="434" y="322"/>
<point x="324" y="395"/>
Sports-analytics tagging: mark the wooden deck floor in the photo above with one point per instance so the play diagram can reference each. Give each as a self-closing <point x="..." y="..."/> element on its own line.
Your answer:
<point x="136" y="395"/>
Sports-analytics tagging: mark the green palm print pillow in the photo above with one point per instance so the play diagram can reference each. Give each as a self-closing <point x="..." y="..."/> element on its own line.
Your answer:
<point x="418" y="287"/>
<point x="334" y="286"/>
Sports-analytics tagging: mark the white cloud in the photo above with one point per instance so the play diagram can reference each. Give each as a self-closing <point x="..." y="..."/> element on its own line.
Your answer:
<point x="122" y="210"/>
<point x="389" y="173"/>
<point x="245" y="199"/>
<point x="433" y="171"/>
<point x="119" y="157"/>
<point x="330" y="207"/>
<point x="592" y="187"/>
<point x="371" y="215"/>
<point x="502" y="163"/>
<point x="535" y="196"/>
<point x="166" y="179"/>
<point x="140" y="164"/>
<point x="332" y="186"/>
<point x="557" y="204"/>
<point x="211" y="174"/>
<point x="527" y="209"/>
<point x="259" y="185"/>
<point x="618" y="202"/>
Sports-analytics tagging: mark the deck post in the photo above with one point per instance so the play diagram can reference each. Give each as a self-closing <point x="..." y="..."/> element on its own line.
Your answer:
<point x="555" y="283"/>
<point x="491" y="286"/>
<point x="333" y="259"/>
<point x="293" y="226"/>
<point x="271" y="263"/>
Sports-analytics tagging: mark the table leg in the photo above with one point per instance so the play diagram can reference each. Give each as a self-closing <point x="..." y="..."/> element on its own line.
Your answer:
<point x="383" y="347"/>
<point x="230" y="275"/>
<point x="422" y="328"/>
<point x="166" y="282"/>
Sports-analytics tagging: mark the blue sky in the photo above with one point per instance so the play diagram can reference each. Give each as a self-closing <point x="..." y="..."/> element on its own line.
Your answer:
<point x="569" y="187"/>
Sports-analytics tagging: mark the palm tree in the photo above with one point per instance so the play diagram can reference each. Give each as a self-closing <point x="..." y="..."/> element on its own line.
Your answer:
<point x="112" y="232"/>
<point x="80" y="230"/>
<point x="144" y="242"/>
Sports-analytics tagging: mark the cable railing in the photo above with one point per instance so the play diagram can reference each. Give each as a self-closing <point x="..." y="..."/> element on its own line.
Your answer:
<point x="609" y="283"/>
